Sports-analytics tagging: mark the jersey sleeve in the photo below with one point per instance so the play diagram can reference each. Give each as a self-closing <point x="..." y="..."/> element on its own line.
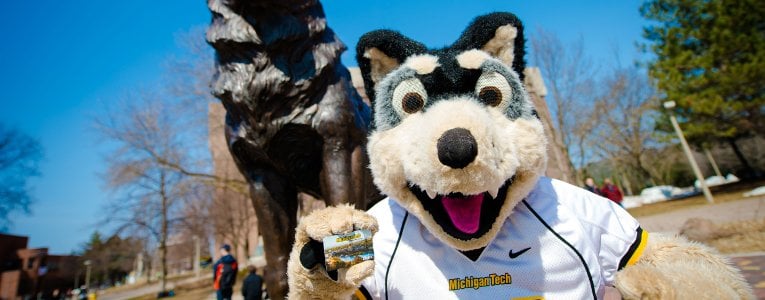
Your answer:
<point x="362" y="293"/>
<point x="614" y="233"/>
<point x="621" y="239"/>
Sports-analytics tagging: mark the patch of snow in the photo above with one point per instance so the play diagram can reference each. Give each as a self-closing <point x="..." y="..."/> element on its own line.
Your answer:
<point x="755" y="192"/>
<point x="632" y="201"/>
<point x="656" y="193"/>
<point x="717" y="180"/>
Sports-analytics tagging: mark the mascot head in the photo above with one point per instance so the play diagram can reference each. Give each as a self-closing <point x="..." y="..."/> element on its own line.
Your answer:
<point x="455" y="138"/>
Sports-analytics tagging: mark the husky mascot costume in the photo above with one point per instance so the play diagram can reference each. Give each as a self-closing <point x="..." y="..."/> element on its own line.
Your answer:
<point x="458" y="149"/>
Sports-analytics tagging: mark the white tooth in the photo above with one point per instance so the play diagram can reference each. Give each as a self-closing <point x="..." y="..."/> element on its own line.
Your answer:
<point x="494" y="193"/>
<point x="432" y="195"/>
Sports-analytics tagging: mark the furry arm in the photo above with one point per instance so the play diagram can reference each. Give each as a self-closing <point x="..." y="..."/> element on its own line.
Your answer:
<point x="675" y="268"/>
<point x="308" y="278"/>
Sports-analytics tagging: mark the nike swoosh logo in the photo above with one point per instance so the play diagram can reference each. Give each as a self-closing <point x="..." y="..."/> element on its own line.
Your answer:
<point x="516" y="254"/>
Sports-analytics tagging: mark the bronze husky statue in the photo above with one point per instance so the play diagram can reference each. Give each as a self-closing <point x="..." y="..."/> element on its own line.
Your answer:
<point x="294" y="122"/>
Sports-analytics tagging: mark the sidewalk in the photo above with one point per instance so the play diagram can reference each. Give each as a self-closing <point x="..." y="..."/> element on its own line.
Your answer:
<point x="149" y="289"/>
<point x="753" y="267"/>
<point x="235" y="296"/>
<point x="748" y="209"/>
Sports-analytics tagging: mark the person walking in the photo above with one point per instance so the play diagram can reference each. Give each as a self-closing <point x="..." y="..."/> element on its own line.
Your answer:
<point x="224" y="274"/>
<point x="252" y="287"/>
<point x="611" y="191"/>
<point x="589" y="184"/>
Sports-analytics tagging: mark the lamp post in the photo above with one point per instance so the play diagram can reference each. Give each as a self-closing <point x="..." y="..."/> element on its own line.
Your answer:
<point x="669" y="105"/>
<point x="196" y="256"/>
<point x="87" y="274"/>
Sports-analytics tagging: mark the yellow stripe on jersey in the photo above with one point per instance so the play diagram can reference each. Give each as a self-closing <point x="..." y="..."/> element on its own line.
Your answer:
<point x="639" y="251"/>
<point x="359" y="295"/>
<point x="529" y="298"/>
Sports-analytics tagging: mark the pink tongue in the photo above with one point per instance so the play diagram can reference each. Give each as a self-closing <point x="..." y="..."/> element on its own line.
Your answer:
<point x="465" y="212"/>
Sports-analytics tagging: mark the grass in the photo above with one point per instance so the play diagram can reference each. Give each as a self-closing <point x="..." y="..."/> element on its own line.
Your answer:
<point x="721" y="194"/>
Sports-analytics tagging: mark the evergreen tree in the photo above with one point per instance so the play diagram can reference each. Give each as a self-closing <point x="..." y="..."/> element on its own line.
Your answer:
<point x="710" y="59"/>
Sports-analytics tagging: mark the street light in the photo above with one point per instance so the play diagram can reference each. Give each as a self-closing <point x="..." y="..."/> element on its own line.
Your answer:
<point x="196" y="256"/>
<point x="87" y="274"/>
<point x="669" y="105"/>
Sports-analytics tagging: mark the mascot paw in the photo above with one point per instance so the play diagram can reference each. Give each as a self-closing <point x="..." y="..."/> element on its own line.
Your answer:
<point x="643" y="282"/>
<point x="308" y="277"/>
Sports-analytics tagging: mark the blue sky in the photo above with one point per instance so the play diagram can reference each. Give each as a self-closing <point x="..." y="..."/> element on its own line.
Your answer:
<point x="62" y="62"/>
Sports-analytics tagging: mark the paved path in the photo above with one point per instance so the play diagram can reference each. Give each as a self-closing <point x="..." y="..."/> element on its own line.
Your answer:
<point x="235" y="296"/>
<point x="671" y="222"/>
<point x="753" y="267"/>
<point x="151" y="289"/>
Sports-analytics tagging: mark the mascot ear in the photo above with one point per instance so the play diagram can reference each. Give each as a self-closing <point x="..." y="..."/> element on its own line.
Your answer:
<point x="379" y="52"/>
<point x="499" y="34"/>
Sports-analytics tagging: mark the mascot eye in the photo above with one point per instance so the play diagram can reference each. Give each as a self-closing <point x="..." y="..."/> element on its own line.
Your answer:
<point x="409" y="97"/>
<point x="493" y="90"/>
<point x="491" y="95"/>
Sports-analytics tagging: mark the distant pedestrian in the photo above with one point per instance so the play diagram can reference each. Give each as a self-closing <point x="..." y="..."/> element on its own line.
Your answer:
<point x="611" y="191"/>
<point x="589" y="184"/>
<point x="252" y="287"/>
<point x="224" y="274"/>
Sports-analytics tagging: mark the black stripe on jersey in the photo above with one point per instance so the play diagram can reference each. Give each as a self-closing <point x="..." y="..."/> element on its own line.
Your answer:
<point x="400" y="231"/>
<point x="586" y="267"/>
<point x="631" y="251"/>
<point x="364" y="293"/>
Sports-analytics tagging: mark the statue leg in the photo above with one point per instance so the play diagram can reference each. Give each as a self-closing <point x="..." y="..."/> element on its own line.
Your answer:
<point x="358" y="177"/>
<point x="275" y="202"/>
<point x="336" y="172"/>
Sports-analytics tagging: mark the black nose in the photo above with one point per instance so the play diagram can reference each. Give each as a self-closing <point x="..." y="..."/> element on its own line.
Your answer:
<point x="457" y="148"/>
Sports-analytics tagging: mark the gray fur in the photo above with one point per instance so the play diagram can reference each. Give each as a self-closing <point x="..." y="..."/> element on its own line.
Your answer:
<point x="520" y="104"/>
<point x="385" y="116"/>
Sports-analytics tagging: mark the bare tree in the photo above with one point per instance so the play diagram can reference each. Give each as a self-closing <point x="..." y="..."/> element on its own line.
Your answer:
<point x="569" y="74"/>
<point x="19" y="156"/>
<point x="627" y="109"/>
<point x="151" y="137"/>
<point x="161" y="168"/>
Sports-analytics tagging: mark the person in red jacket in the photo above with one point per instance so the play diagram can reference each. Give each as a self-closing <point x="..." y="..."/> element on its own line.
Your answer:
<point x="224" y="274"/>
<point x="611" y="191"/>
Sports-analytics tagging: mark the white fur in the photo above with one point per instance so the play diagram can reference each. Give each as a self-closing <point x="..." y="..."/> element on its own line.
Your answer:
<point x="502" y="44"/>
<point x="422" y="64"/>
<point x="472" y="59"/>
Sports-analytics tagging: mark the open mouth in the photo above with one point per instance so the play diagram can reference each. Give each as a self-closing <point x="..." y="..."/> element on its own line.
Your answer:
<point x="463" y="216"/>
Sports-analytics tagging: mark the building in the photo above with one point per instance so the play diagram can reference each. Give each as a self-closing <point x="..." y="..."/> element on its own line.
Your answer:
<point x="28" y="272"/>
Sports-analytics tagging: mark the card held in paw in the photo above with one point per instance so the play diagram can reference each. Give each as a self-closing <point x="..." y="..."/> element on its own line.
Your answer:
<point x="345" y="250"/>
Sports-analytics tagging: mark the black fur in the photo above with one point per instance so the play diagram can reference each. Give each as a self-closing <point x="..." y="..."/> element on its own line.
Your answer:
<point x="482" y="29"/>
<point x="391" y="43"/>
<point x="450" y="79"/>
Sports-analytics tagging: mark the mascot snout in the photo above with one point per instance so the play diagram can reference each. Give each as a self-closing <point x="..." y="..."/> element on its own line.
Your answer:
<point x="457" y="148"/>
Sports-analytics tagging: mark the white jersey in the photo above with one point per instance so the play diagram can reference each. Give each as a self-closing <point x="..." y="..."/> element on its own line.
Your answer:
<point x="561" y="242"/>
